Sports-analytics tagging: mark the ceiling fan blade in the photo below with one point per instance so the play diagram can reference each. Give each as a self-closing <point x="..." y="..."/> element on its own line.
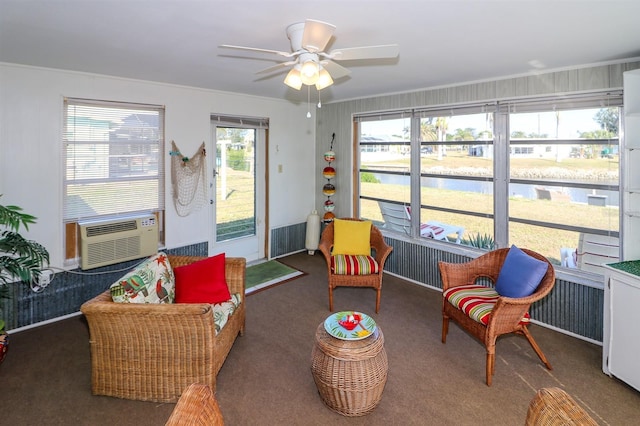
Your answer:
<point x="316" y="35"/>
<point x="336" y="70"/>
<point x="276" y="67"/>
<point x="256" y="49"/>
<point x="366" y="52"/>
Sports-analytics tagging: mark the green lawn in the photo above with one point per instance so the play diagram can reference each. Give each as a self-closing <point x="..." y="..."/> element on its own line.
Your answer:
<point x="545" y="240"/>
<point x="236" y="212"/>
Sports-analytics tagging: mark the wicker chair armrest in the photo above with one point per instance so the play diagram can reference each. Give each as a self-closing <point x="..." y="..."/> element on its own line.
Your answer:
<point x="505" y="316"/>
<point x="136" y="322"/>
<point x="381" y="254"/>
<point x="326" y="245"/>
<point x="511" y="310"/>
<point x="458" y="274"/>
<point x="381" y="248"/>
<point x="235" y="272"/>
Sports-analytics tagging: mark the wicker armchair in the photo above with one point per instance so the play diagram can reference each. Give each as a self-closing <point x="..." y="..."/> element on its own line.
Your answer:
<point x="554" y="407"/>
<point x="196" y="406"/>
<point x="381" y="252"/>
<point x="507" y="313"/>
<point x="153" y="352"/>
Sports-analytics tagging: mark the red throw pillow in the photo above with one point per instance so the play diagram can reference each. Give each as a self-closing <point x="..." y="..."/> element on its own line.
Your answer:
<point x="202" y="281"/>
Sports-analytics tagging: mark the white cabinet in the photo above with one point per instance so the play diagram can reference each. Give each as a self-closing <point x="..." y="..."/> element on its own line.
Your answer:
<point x="630" y="158"/>
<point x="621" y="342"/>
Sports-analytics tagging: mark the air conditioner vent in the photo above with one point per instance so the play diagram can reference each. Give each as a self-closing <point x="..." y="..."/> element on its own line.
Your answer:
<point x="106" y="242"/>
<point x="111" y="228"/>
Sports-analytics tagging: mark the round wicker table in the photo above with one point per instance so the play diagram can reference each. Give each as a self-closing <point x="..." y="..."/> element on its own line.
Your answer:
<point x="350" y="374"/>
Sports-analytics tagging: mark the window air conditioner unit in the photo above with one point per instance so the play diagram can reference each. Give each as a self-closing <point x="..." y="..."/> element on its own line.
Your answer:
<point x="105" y="242"/>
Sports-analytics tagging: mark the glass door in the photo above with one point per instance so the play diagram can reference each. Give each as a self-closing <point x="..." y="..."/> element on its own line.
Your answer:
<point x="239" y="203"/>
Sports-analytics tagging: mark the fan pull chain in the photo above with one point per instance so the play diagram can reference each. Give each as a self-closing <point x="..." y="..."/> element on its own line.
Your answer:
<point x="308" y="102"/>
<point x="319" y="102"/>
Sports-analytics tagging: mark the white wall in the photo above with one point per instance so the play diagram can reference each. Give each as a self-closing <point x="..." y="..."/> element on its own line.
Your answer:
<point x="31" y="110"/>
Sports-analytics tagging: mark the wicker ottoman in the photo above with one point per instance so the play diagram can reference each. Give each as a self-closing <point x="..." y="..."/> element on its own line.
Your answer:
<point x="350" y="375"/>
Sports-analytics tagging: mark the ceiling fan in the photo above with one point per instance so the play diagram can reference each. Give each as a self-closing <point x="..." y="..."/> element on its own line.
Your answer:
<point x="310" y="64"/>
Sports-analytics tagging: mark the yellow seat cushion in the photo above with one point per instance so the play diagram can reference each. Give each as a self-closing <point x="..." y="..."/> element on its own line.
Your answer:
<point x="351" y="237"/>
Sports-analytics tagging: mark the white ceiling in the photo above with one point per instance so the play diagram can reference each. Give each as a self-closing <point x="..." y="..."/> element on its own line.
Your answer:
<point x="441" y="42"/>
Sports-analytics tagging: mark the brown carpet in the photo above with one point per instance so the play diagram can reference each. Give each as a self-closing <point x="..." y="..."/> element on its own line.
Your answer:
<point x="267" y="380"/>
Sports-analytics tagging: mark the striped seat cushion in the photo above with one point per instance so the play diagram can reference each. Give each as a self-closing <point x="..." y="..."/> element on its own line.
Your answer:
<point x="348" y="264"/>
<point x="476" y="301"/>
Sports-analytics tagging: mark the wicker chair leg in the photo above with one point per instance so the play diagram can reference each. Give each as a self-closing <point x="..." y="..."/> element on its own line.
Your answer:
<point x="491" y="359"/>
<point x="330" y="299"/>
<point x="536" y="348"/>
<point x="445" y="328"/>
<point x="378" y="292"/>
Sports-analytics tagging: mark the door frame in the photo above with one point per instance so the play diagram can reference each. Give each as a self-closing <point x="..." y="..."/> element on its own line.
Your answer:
<point x="252" y="247"/>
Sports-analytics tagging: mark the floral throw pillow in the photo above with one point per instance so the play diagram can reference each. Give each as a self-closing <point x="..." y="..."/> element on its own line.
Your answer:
<point x="150" y="282"/>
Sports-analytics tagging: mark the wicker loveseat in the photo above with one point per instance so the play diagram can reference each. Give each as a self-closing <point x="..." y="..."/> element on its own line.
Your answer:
<point x="153" y="352"/>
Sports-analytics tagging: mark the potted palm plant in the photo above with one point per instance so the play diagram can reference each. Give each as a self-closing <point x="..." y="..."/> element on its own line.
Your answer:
<point x="21" y="260"/>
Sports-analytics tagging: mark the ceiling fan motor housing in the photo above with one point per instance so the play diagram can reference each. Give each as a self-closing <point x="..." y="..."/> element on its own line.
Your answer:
<point x="308" y="42"/>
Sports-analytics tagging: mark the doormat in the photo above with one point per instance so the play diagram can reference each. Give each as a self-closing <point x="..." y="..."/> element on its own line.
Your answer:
<point x="268" y="274"/>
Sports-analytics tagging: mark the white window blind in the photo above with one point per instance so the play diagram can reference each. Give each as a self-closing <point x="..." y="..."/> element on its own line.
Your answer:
<point x="113" y="158"/>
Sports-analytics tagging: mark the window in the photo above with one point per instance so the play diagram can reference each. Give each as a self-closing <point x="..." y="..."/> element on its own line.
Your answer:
<point x="453" y="162"/>
<point x="565" y="186"/>
<point x="385" y="167"/>
<point x="456" y="175"/>
<point x="540" y="174"/>
<point x="235" y="163"/>
<point x="113" y="162"/>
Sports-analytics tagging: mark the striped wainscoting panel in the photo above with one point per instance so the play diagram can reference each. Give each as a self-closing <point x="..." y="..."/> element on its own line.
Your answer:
<point x="70" y="289"/>
<point x="571" y="307"/>
<point x="417" y="262"/>
<point x="288" y="239"/>
<point x="199" y="249"/>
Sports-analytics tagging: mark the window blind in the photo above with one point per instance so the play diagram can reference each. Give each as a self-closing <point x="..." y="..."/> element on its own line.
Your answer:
<point x="113" y="157"/>
<point x="560" y="103"/>
<point x="239" y="121"/>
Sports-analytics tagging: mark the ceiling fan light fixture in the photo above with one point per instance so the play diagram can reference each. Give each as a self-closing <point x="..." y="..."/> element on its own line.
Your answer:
<point x="312" y="64"/>
<point x="309" y="72"/>
<point x="293" y="79"/>
<point x="324" y="79"/>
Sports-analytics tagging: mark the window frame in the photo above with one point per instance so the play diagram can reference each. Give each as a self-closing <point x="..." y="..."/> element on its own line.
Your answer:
<point x="502" y="144"/>
<point x="151" y="145"/>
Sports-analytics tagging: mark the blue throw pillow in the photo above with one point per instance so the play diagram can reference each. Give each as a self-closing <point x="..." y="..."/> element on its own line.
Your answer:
<point x="520" y="274"/>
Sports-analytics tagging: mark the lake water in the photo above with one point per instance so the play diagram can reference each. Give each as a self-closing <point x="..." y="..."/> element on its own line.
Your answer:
<point x="578" y="195"/>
